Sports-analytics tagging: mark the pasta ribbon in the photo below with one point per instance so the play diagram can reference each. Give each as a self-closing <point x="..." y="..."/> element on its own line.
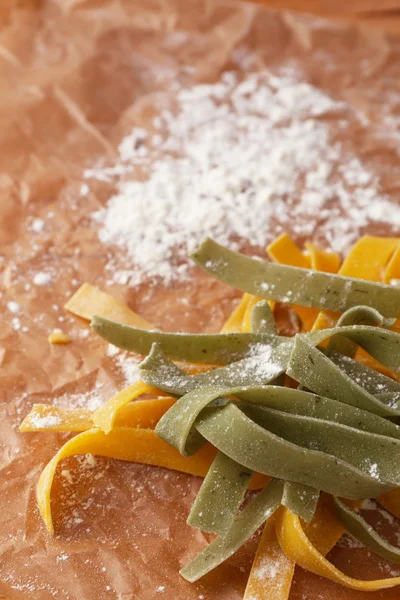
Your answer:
<point x="142" y="413"/>
<point x="123" y="443"/>
<point x="220" y="495"/>
<point x="321" y="260"/>
<point x="88" y="300"/>
<point x="298" y="548"/>
<point x="283" y="250"/>
<point x="391" y="501"/>
<point x="58" y="337"/>
<point x="235" y="320"/>
<point x="364" y="533"/>
<point x="272" y="571"/>
<point x="263" y="506"/>
<point x="392" y="273"/>
<point x="305" y="287"/>
<point x="104" y="417"/>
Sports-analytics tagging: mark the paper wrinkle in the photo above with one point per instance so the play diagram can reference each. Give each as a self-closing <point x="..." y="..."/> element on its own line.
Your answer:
<point x="75" y="77"/>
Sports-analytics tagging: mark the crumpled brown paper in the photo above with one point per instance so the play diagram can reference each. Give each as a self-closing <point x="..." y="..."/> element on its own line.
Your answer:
<point x="72" y="74"/>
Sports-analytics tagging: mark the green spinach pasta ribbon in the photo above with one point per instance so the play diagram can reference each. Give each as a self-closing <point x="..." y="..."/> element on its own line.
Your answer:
<point x="260" y="509"/>
<point x="364" y="533"/>
<point x="295" y="285"/>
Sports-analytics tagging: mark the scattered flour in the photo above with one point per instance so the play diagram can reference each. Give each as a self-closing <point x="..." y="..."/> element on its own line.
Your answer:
<point x="42" y="279"/>
<point x="37" y="225"/>
<point x="13" y="307"/>
<point x="236" y="160"/>
<point x="43" y="422"/>
<point x="268" y="570"/>
<point x="91" y="400"/>
<point x="374" y="471"/>
<point x="16" y="323"/>
<point x="62" y="556"/>
<point x="128" y="364"/>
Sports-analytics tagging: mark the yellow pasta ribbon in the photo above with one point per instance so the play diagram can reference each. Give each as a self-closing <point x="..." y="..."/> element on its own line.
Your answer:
<point x="392" y="273"/>
<point x="272" y="571"/>
<point x="88" y="300"/>
<point x="142" y="413"/>
<point x="384" y="260"/>
<point x="299" y="548"/>
<point x="234" y="322"/>
<point x="283" y="250"/>
<point x="196" y="368"/>
<point x="130" y="441"/>
<point x="325" y="530"/>
<point x="46" y="417"/>
<point x="321" y="260"/>
<point x="123" y="443"/>
<point x="104" y="417"/>
<point x="391" y="501"/>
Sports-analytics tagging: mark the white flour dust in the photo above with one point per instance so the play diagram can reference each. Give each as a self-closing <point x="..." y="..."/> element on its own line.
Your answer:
<point x="237" y="160"/>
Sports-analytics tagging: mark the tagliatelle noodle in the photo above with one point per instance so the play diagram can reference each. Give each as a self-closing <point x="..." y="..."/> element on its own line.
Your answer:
<point x="252" y="301"/>
<point x="104" y="417"/>
<point x="321" y="260"/>
<point x="295" y="285"/>
<point x="283" y="250"/>
<point x="364" y="533"/>
<point x="220" y="496"/>
<point x="391" y="501"/>
<point x="246" y="523"/>
<point x="235" y="320"/>
<point x="88" y="300"/>
<point x="272" y="571"/>
<point x="142" y="413"/>
<point x="123" y="443"/>
<point x="298" y="548"/>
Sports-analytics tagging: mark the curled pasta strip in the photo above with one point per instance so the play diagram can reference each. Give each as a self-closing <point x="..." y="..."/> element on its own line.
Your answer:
<point x="124" y="443"/>
<point x="364" y="533"/>
<point x="297" y="547"/>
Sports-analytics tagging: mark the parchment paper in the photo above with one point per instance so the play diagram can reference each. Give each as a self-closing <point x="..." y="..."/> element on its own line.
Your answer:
<point x="74" y="77"/>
